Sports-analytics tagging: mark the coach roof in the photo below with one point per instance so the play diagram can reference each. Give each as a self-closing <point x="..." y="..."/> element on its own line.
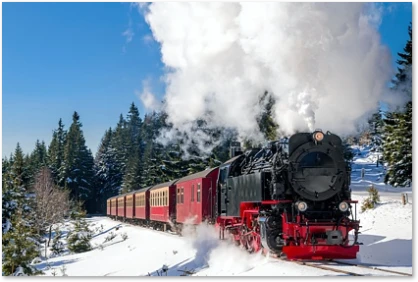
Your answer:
<point x="162" y="185"/>
<point x="197" y="175"/>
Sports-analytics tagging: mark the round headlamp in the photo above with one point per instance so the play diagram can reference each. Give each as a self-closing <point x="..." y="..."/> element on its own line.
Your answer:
<point x="318" y="136"/>
<point x="302" y="206"/>
<point x="343" y="206"/>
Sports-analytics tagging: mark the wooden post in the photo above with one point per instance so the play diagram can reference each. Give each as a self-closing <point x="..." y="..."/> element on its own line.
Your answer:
<point x="403" y="199"/>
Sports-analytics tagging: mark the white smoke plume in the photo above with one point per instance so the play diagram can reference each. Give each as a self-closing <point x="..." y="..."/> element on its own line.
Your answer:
<point x="324" y="63"/>
<point x="148" y="99"/>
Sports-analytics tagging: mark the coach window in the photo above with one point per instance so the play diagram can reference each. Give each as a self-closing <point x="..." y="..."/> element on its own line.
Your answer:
<point x="182" y="195"/>
<point x="159" y="198"/>
<point x="192" y="197"/>
<point x="198" y="192"/>
<point x="164" y="197"/>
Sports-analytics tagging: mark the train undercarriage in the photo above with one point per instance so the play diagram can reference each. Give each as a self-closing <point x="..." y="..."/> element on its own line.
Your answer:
<point x="287" y="235"/>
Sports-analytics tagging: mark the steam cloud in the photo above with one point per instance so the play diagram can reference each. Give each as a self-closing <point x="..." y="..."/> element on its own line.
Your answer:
<point x="323" y="63"/>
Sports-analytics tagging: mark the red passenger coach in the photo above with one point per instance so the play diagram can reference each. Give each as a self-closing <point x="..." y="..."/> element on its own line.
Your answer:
<point x="108" y="207"/>
<point x="113" y="206"/>
<point x="196" y="196"/>
<point x="142" y="204"/>
<point x="163" y="202"/>
<point x="121" y="208"/>
<point x="129" y="205"/>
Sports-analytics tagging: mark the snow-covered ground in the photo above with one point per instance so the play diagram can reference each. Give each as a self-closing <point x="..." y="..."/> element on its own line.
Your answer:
<point x="386" y="237"/>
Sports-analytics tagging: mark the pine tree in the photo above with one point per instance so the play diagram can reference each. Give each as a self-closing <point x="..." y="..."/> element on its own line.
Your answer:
<point x="20" y="168"/>
<point x="56" y="153"/>
<point x="405" y="61"/>
<point x="134" y="166"/>
<point x="132" y="179"/>
<point x="397" y="147"/>
<point x="266" y="123"/>
<point x="78" y="239"/>
<point x="21" y="249"/>
<point x="14" y="191"/>
<point x="11" y="196"/>
<point x="77" y="167"/>
<point x="37" y="159"/>
<point x="19" y="243"/>
<point x="107" y="171"/>
<point x="120" y="144"/>
<point x="376" y="130"/>
<point x="134" y="124"/>
<point x="57" y="245"/>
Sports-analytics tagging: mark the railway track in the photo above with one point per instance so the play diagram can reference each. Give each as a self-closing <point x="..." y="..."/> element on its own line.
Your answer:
<point x="372" y="267"/>
<point x="330" y="265"/>
<point x="351" y="269"/>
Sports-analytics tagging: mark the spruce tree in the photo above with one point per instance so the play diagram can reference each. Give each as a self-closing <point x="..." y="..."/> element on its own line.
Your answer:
<point x="107" y="171"/>
<point x="57" y="245"/>
<point x="38" y="159"/>
<point x="20" y="169"/>
<point x="397" y="147"/>
<point x="77" y="167"/>
<point x="376" y="130"/>
<point x="19" y="241"/>
<point x="21" y="249"/>
<point x="56" y="153"/>
<point x="78" y="239"/>
<point x="132" y="179"/>
<point x="120" y="144"/>
<point x="266" y="123"/>
<point x="134" y="166"/>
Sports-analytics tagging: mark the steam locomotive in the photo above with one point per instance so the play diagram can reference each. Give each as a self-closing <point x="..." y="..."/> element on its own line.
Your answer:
<point x="290" y="198"/>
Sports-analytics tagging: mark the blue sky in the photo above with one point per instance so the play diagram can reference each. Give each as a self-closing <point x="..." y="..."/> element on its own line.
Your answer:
<point x="64" y="57"/>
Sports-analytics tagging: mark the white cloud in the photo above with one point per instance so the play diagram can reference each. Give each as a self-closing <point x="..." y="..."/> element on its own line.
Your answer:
<point x="148" y="38"/>
<point x="129" y="34"/>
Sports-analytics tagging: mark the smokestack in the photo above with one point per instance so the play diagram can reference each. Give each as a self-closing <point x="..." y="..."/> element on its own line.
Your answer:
<point x="235" y="149"/>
